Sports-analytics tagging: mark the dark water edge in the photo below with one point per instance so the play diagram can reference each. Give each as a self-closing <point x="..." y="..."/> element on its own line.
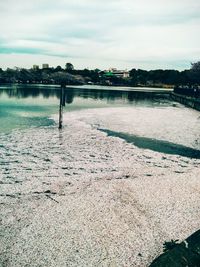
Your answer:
<point x="187" y="101"/>
<point x="185" y="254"/>
<point x="155" y="145"/>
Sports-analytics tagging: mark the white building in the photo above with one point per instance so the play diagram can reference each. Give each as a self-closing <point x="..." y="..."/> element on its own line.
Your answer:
<point x="36" y="67"/>
<point x="119" y="73"/>
<point x="45" y="66"/>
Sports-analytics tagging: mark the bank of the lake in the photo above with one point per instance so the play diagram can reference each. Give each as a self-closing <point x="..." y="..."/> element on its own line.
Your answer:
<point x="187" y="100"/>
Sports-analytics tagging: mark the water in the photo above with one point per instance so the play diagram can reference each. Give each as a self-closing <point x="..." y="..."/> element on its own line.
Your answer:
<point x="147" y="118"/>
<point x="28" y="106"/>
<point x="156" y="145"/>
<point x="124" y="169"/>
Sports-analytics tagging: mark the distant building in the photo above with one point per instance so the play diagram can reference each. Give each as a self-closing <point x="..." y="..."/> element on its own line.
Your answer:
<point x="36" y="67"/>
<point x="45" y="66"/>
<point x="118" y="73"/>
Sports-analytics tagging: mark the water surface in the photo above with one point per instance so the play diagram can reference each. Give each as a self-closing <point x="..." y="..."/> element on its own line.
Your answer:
<point x="24" y="106"/>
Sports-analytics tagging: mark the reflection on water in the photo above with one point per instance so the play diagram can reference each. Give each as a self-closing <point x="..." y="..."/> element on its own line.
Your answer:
<point x="23" y="106"/>
<point x="26" y="91"/>
<point x="72" y="92"/>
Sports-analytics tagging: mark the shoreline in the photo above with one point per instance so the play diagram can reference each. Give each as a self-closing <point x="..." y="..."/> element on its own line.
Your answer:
<point x="187" y="101"/>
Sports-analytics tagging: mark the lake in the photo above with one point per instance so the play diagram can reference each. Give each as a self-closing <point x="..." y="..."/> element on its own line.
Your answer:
<point x="120" y="178"/>
<point x="27" y="106"/>
<point x="23" y="106"/>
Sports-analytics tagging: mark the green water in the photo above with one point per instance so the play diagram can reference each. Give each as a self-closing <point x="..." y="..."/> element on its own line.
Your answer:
<point x="25" y="112"/>
<point x="32" y="106"/>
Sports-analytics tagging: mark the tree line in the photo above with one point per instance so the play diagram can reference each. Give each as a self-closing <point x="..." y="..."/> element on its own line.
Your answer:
<point x="70" y="75"/>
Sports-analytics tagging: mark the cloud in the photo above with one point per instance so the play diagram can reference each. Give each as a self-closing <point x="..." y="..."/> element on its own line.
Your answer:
<point x="19" y="50"/>
<point x="115" y="31"/>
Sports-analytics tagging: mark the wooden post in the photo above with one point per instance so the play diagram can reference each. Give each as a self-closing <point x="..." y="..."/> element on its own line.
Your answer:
<point x="62" y="103"/>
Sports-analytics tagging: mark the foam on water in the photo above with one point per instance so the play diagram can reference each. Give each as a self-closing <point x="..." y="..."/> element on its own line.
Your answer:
<point x="45" y="152"/>
<point x="106" y="191"/>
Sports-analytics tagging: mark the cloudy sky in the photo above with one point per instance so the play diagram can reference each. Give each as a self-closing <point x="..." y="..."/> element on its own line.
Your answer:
<point x="147" y="34"/>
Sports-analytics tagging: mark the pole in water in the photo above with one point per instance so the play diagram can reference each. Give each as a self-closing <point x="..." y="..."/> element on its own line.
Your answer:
<point x="62" y="103"/>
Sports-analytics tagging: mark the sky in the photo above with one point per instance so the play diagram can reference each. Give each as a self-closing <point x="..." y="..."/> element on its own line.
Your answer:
<point x="126" y="34"/>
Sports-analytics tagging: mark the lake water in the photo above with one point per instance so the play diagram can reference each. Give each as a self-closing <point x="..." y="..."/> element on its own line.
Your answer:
<point x="28" y="106"/>
<point x="119" y="179"/>
<point x="23" y="107"/>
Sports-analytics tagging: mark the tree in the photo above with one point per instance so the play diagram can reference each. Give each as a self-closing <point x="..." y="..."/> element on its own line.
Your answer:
<point x="195" y="73"/>
<point x="195" y="66"/>
<point x="64" y="78"/>
<point x="58" y="68"/>
<point x="45" y="77"/>
<point x="69" y="66"/>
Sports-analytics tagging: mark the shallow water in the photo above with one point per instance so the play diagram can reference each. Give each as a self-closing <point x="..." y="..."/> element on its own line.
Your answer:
<point x="27" y="106"/>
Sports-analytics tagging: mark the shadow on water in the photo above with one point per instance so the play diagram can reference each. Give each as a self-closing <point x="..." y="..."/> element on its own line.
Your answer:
<point x="155" y="145"/>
